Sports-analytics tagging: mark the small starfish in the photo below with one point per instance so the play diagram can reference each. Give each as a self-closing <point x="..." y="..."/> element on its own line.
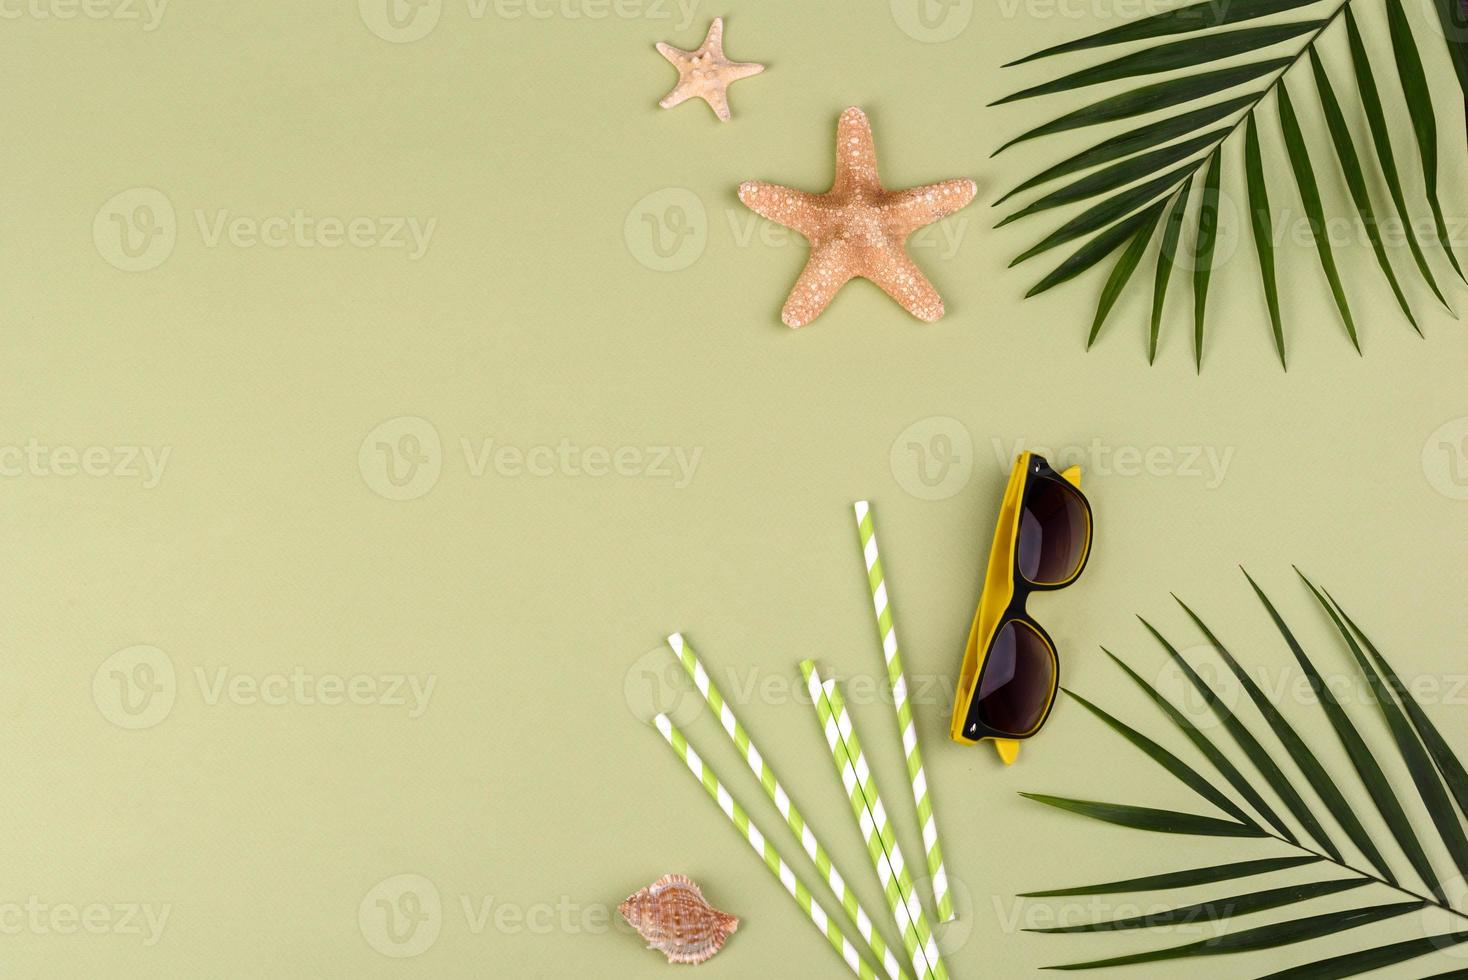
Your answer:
<point x="858" y="228"/>
<point x="706" y="73"/>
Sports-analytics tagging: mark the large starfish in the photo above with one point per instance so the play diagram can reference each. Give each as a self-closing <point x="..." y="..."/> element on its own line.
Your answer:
<point x="706" y="73"/>
<point x="858" y="227"/>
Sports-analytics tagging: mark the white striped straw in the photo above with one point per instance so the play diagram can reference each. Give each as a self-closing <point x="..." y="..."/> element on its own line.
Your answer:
<point x="761" y="845"/>
<point x="867" y="530"/>
<point x="871" y="819"/>
<point x="771" y="783"/>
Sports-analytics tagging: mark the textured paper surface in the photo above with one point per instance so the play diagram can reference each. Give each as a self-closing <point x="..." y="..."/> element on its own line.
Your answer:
<point x="497" y="441"/>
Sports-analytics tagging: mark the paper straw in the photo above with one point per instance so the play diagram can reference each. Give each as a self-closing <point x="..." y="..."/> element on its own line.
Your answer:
<point x="866" y="528"/>
<point x="871" y="819"/>
<point x="864" y="780"/>
<point x="763" y="848"/>
<point x="771" y="783"/>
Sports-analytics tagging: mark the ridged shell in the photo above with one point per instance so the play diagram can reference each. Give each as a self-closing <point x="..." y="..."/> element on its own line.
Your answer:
<point x="673" y="917"/>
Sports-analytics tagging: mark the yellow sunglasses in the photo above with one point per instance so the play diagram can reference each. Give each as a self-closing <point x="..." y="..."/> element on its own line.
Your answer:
<point x="1011" y="670"/>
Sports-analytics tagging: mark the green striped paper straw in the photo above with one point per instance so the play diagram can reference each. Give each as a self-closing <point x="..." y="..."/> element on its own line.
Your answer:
<point x="757" y="840"/>
<point x="771" y="783"/>
<point x="866" y="528"/>
<point x="871" y="818"/>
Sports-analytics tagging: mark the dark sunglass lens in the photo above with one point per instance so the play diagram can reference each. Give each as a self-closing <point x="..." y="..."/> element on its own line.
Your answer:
<point x="1053" y="528"/>
<point x="1017" y="680"/>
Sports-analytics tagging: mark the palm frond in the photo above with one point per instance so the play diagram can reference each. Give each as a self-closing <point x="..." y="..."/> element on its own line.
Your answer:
<point x="1437" y="774"/>
<point x="1233" y="57"/>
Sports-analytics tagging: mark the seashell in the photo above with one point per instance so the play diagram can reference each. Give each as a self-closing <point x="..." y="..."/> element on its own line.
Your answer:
<point x="673" y="917"/>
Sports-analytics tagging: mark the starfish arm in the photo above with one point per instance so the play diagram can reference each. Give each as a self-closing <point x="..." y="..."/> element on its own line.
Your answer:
<point x="718" y="99"/>
<point x="676" y="56"/>
<point x="782" y="205"/>
<point x="912" y="209"/>
<point x="739" y="70"/>
<point x="901" y="279"/>
<point x="856" y="153"/>
<point x="824" y="275"/>
<point x="715" y="40"/>
<point x="681" y="94"/>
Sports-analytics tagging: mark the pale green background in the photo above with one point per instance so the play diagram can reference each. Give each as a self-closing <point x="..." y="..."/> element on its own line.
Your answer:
<point x="530" y="780"/>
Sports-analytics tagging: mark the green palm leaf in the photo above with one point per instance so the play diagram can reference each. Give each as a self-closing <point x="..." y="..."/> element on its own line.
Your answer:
<point x="1419" y="764"/>
<point x="1154" y="97"/>
<point x="1207" y="239"/>
<point x="1170" y="57"/>
<point x="1362" y="760"/>
<point x="1435" y="770"/>
<point x="1424" y="121"/>
<point x="1194" y="17"/>
<point x="1185" y="773"/>
<point x="1314" y="211"/>
<point x="1447" y="762"/>
<point x="1193" y="40"/>
<point x="1147" y="818"/>
<point x="1448" y="16"/>
<point x="1165" y="262"/>
<point x="1354" y="964"/>
<point x="1102" y="214"/>
<point x="1181" y="879"/>
<point x="1262" y="937"/>
<point x="1340" y="135"/>
<point x="1261" y="758"/>
<point x="1320" y="781"/>
<point x="1118" y="175"/>
<point x="1385" y="157"/>
<point x="1263" y="227"/>
<point x="1125" y="266"/>
<point x="1220" y="761"/>
<point x="1134" y="141"/>
<point x="1096" y="249"/>
<point x="1220" y="908"/>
